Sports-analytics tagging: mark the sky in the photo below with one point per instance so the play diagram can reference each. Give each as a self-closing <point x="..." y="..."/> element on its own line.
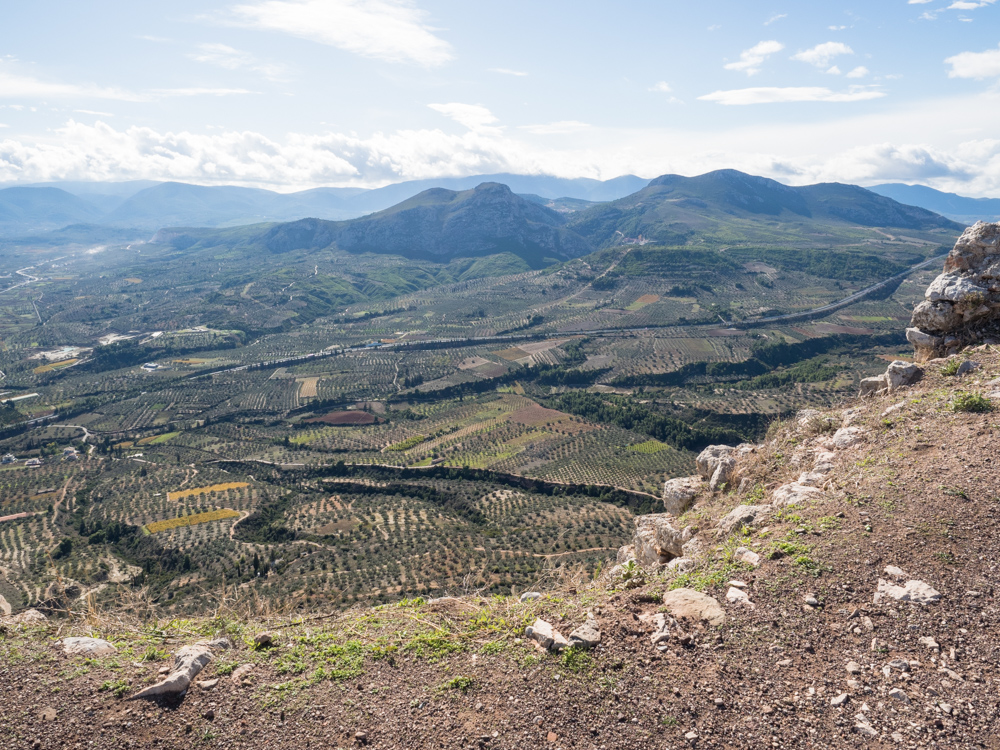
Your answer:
<point x="294" y="94"/>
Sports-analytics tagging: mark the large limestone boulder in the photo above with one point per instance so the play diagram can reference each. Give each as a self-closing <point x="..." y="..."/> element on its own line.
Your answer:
<point x="962" y="305"/>
<point x="694" y="605"/>
<point x="679" y="493"/>
<point x="656" y="541"/>
<point x="709" y="458"/>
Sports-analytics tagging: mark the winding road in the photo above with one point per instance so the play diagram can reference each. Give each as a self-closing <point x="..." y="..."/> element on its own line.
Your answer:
<point x="502" y="338"/>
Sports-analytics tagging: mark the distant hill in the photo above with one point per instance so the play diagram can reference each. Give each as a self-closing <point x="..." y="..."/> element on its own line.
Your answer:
<point x="436" y="224"/>
<point x="24" y="209"/>
<point x="148" y="205"/>
<point x="957" y="207"/>
<point x="728" y="205"/>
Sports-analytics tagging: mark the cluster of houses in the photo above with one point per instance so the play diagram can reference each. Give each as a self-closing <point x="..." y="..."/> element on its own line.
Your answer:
<point x="68" y="454"/>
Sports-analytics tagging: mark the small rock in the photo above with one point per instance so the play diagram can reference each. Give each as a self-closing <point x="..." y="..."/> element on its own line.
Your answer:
<point x="546" y="636"/>
<point x="694" y="605"/>
<point x="47" y="714"/>
<point x="738" y="596"/>
<point x="946" y="707"/>
<point x="853" y="667"/>
<point x="208" y="684"/>
<point x="839" y="700"/>
<point x="361" y="738"/>
<point x="746" y="556"/>
<point x="899" y="695"/>
<point x="914" y="592"/>
<point x="738" y="584"/>
<point x="691" y="736"/>
<point x="811" y="600"/>
<point x="239" y="673"/>
<point x="854" y="684"/>
<point x="785" y="663"/>
<point x="743" y="515"/>
<point x="263" y="640"/>
<point x="539" y="721"/>
<point x="928" y="641"/>
<point x="552" y="737"/>
<point x="900" y="664"/>
<point x="868" y="624"/>
<point x="893" y="572"/>
<point x="164" y="670"/>
<point x="530" y="596"/>
<point x="966" y="367"/>
<point x="866" y="729"/>
<point x="587" y="635"/>
<point x="209" y="714"/>
<point x="719" y="703"/>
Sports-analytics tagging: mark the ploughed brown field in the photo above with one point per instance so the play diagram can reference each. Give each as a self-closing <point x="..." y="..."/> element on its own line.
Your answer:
<point x="345" y="418"/>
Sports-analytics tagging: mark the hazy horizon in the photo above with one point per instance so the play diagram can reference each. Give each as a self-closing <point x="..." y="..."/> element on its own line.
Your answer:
<point x="294" y="94"/>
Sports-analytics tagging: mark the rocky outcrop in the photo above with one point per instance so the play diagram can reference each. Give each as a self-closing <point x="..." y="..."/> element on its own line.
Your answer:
<point x="962" y="305"/>
<point x="717" y="463"/>
<point x="656" y="541"/>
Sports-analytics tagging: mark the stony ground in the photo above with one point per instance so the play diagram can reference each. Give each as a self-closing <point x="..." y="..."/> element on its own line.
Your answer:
<point x="919" y="490"/>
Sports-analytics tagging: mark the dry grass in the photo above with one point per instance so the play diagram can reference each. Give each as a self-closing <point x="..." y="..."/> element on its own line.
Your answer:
<point x="191" y="520"/>
<point x="41" y="369"/>
<point x="309" y="387"/>
<point x="181" y="494"/>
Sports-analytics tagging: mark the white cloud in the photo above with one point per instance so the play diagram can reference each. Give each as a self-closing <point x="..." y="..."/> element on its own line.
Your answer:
<point x="970" y="4"/>
<point x="836" y="28"/>
<point x="833" y="71"/>
<point x="774" y="18"/>
<point x="778" y="95"/>
<point x="92" y="112"/>
<point x="909" y="141"/>
<point x="233" y="59"/>
<point x="472" y="116"/>
<point x="200" y="91"/>
<point x="859" y="72"/>
<point x="4" y="125"/>
<point x="975" y="64"/>
<point x="13" y="85"/>
<point x="563" y="127"/>
<point x="751" y="59"/>
<point x="919" y="2"/>
<point x="662" y="87"/>
<point x="822" y="54"/>
<point x="508" y="71"/>
<point x="390" y="30"/>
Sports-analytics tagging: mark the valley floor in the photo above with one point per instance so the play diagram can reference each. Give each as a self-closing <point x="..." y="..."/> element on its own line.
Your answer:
<point x="917" y="491"/>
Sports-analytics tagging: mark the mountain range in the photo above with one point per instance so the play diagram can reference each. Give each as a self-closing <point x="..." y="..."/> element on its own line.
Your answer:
<point x="723" y="206"/>
<point x="150" y="205"/>
<point x="957" y="207"/>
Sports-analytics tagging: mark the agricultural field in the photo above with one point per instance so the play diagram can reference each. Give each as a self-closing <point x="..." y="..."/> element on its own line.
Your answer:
<point x="365" y="427"/>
